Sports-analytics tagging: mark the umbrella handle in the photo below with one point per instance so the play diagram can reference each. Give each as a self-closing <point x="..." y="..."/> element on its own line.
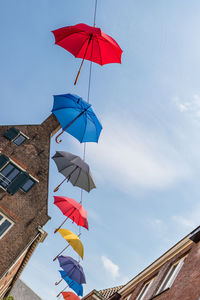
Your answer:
<point x="58" y="136"/>
<point x="57" y="188"/>
<point x="79" y="71"/>
<point x="61" y="252"/>
<point x="70" y="125"/>
<point x="56" y="283"/>
<point x="62" y="291"/>
<point x="77" y="76"/>
<point x="56" y="230"/>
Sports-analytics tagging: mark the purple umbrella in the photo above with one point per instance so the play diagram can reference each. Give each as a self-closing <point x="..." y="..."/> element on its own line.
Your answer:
<point x="72" y="269"/>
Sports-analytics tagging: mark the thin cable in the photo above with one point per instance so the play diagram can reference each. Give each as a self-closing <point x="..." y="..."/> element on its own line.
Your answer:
<point x="88" y="101"/>
<point x="79" y="231"/>
<point x="89" y="83"/>
<point x="95" y="13"/>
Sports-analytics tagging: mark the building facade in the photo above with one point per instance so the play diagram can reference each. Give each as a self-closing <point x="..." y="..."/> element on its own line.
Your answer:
<point x="24" y="174"/>
<point x="173" y="276"/>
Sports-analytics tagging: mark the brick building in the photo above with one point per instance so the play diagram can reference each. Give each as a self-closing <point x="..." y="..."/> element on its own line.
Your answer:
<point x="24" y="172"/>
<point x="173" y="276"/>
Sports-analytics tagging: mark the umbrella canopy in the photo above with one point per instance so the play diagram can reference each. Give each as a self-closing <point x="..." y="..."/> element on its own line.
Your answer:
<point x="70" y="296"/>
<point x="72" y="268"/>
<point x="72" y="210"/>
<point x="74" y="169"/>
<point x="77" y="118"/>
<point x="73" y="240"/>
<point x="77" y="288"/>
<point x="89" y="43"/>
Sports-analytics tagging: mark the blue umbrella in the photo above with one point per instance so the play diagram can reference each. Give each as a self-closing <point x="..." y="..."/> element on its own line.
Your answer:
<point x="77" y="118"/>
<point x="77" y="288"/>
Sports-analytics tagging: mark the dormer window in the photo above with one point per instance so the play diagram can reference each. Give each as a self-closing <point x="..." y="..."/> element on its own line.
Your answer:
<point x="171" y="275"/>
<point x="16" y="136"/>
<point x="145" y="289"/>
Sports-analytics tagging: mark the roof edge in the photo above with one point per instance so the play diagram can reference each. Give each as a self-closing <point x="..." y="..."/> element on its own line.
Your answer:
<point x="95" y="294"/>
<point x="178" y="247"/>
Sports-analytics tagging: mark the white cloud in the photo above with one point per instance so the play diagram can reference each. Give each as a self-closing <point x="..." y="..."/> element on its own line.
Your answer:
<point x="129" y="156"/>
<point x="110" y="267"/>
<point x="192" y="106"/>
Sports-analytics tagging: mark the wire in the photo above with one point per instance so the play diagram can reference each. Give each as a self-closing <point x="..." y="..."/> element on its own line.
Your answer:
<point x="95" y="13"/>
<point x="88" y="101"/>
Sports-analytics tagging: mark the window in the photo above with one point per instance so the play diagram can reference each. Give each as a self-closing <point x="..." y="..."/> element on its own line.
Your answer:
<point x="15" y="136"/>
<point x="19" y="139"/>
<point x="144" y="290"/>
<point x="171" y="275"/>
<point x="5" y="225"/>
<point x="28" y="185"/>
<point x="13" y="177"/>
<point x="128" y="297"/>
<point x="8" y="174"/>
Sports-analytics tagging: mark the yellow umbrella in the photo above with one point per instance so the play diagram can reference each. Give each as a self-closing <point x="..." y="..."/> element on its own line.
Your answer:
<point x="73" y="240"/>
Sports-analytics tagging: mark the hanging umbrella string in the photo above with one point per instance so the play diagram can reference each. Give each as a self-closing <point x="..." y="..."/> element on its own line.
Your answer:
<point x="88" y="101"/>
<point x="95" y="13"/>
<point x="90" y="75"/>
<point x="80" y="226"/>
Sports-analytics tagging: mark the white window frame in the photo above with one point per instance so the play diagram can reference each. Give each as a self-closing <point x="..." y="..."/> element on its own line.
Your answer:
<point x="2" y="221"/>
<point x="144" y="289"/>
<point x="169" y="279"/>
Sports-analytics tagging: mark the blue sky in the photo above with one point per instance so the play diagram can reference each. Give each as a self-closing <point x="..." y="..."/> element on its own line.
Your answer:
<point x="147" y="163"/>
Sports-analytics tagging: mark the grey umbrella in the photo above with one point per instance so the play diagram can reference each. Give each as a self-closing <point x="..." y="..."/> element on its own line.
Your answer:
<point x="74" y="169"/>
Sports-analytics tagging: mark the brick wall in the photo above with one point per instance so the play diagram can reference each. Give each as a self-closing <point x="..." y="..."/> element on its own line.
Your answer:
<point x="186" y="285"/>
<point x="26" y="210"/>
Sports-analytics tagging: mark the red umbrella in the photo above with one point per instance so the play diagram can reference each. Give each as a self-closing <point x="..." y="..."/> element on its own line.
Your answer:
<point x="70" y="296"/>
<point x="71" y="209"/>
<point x="89" y="43"/>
